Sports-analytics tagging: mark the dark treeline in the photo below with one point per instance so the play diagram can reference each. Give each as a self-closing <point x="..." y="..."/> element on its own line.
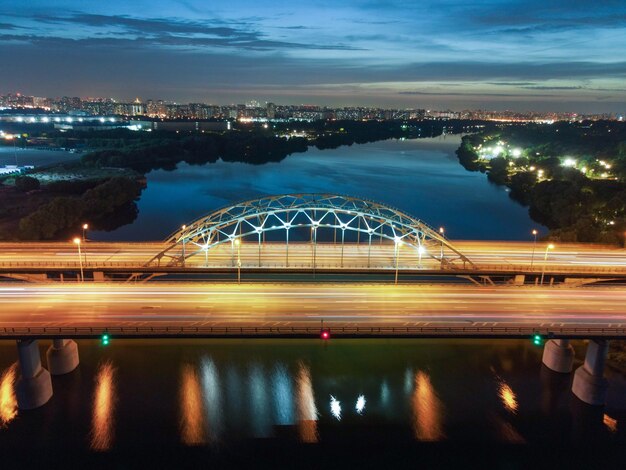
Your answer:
<point x="164" y="150"/>
<point x="575" y="205"/>
<point x="102" y="202"/>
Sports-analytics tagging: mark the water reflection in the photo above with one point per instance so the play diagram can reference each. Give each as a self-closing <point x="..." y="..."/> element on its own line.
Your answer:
<point x="212" y="398"/>
<point x="610" y="423"/>
<point x="283" y="395"/>
<point x="508" y="397"/>
<point x="305" y="406"/>
<point x="427" y="410"/>
<point x="335" y="408"/>
<point x="103" y="416"/>
<point x="191" y="419"/>
<point x="8" y="400"/>
<point x="384" y="394"/>
<point x="259" y="413"/>
<point x="360" y="404"/>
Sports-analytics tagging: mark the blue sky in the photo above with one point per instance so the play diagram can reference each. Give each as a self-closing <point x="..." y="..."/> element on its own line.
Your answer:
<point x="517" y="54"/>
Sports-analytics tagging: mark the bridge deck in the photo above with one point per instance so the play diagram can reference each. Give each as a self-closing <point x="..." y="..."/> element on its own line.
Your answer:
<point x="298" y="310"/>
<point x="488" y="257"/>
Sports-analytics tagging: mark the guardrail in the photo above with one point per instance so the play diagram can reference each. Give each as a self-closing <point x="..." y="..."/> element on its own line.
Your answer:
<point x="480" y="268"/>
<point x="312" y="332"/>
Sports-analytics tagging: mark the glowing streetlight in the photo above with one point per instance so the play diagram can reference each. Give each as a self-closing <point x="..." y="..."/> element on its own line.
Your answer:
<point x="442" y="233"/>
<point x="85" y="227"/>
<point x="545" y="261"/>
<point x="532" y="258"/>
<point x="80" y="259"/>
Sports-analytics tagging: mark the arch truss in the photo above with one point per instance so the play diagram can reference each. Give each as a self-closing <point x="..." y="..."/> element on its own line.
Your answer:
<point x="323" y="218"/>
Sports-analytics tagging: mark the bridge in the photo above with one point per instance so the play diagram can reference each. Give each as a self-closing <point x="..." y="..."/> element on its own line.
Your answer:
<point x="309" y="233"/>
<point x="512" y="289"/>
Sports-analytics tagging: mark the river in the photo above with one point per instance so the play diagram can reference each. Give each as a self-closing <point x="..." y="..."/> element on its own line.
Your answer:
<point x="299" y="401"/>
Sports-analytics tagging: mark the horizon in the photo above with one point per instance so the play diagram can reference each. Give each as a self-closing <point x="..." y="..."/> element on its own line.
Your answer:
<point x="502" y="54"/>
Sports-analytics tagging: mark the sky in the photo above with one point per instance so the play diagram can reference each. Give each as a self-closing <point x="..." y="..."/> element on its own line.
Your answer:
<point x="561" y="55"/>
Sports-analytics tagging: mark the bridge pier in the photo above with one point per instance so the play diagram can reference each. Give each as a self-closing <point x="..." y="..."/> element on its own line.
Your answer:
<point x="62" y="356"/>
<point x="558" y="355"/>
<point x="34" y="386"/>
<point x="589" y="383"/>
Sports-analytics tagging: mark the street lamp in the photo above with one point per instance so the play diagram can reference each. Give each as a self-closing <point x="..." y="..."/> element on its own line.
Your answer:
<point x="85" y="227"/>
<point x="238" y="245"/>
<point x="80" y="259"/>
<point x="545" y="260"/>
<point x="532" y="258"/>
<point x="442" y="232"/>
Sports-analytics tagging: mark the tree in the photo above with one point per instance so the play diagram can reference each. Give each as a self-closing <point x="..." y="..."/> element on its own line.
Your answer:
<point x="26" y="183"/>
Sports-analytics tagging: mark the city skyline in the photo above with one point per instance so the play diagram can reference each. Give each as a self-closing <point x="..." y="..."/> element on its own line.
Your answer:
<point x="506" y="54"/>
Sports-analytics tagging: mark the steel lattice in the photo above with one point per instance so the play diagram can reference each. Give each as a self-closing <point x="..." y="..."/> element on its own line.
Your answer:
<point x="369" y="220"/>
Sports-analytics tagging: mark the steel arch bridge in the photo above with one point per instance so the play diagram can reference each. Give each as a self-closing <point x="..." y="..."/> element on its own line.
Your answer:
<point x="324" y="218"/>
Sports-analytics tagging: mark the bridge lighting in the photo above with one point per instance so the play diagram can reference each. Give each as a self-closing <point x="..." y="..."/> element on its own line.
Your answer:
<point x="532" y="258"/>
<point x="105" y="339"/>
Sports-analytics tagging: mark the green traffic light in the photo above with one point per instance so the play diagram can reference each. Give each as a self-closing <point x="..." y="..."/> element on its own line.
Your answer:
<point x="537" y="340"/>
<point x="105" y="339"/>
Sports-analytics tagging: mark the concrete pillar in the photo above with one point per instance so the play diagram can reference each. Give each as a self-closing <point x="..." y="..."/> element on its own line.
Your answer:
<point x="589" y="383"/>
<point x="558" y="355"/>
<point x="62" y="356"/>
<point x="34" y="386"/>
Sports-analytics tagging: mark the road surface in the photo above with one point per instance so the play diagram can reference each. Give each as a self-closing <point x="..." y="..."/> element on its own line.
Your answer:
<point x="198" y="307"/>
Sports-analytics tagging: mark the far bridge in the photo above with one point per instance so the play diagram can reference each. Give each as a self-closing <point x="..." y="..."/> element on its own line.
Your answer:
<point x="312" y="234"/>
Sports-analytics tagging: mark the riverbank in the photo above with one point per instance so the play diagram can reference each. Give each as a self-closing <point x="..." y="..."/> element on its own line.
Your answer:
<point x="571" y="176"/>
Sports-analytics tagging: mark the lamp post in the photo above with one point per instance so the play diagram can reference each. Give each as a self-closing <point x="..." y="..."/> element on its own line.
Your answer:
<point x="85" y="227"/>
<point x="532" y="258"/>
<point x="238" y="245"/>
<point x="183" y="237"/>
<point x="545" y="260"/>
<point x="80" y="259"/>
<point x="442" y="232"/>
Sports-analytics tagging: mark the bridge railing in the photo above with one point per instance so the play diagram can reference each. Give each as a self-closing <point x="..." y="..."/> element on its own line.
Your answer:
<point x="431" y="267"/>
<point x="313" y="332"/>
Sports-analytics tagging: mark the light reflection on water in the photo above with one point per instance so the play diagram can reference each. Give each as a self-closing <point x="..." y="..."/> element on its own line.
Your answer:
<point x="212" y="399"/>
<point x="283" y="395"/>
<point x="103" y="416"/>
<point x="229" y="392"/>
<point x="8" y="400"/>
<point x="427" y="410"/>
<point x="508" y="397"/>
<point x="191" y="419"/>
<point x="305" y="406"/>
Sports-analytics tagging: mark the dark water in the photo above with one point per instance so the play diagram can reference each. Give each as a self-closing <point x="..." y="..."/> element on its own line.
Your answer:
<point x="232" y="398"/>
<point x="421" y="177"/>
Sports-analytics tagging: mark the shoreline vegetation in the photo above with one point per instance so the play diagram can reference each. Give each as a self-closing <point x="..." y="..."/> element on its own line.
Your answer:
<point x="102" y="187"/>
<point x="571" y="176"/>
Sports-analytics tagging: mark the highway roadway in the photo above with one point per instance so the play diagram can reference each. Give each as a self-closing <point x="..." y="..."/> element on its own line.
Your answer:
<point x="489" y="255"/>
<point x="486" y="311"/>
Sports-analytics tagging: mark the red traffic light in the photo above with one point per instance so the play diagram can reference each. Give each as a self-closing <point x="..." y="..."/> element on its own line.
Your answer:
<point x="325" y="333"/>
